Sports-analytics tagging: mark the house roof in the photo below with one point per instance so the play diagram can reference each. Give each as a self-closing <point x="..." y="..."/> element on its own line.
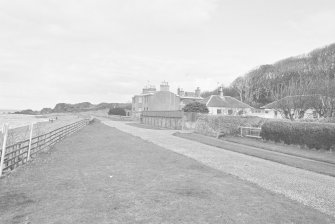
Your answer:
<point x="144" y="94"/>
<point x="302" y="100"/>
<point x="224" y="101"/>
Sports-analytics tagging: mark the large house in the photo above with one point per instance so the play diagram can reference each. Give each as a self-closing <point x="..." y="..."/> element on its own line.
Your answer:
<point x="226" y="105"/>
<point x="162" y="100"/>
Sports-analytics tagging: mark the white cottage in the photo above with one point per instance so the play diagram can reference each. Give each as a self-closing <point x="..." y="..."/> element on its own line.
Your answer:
<point x="226" y="105"/>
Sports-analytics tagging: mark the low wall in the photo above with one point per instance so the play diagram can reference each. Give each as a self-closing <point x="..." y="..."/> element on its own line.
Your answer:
<point x="163" y="122"/>
<point x="170" y="119"/>
<point x="176" y="119"/>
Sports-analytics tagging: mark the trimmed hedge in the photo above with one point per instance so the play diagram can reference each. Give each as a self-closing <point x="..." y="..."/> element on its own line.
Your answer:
<point x="313" y="135"/>
<point x="213" y="124"/>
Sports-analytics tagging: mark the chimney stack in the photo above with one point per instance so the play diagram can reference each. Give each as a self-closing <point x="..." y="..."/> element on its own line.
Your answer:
<point x="149" y="89"/>
<point x="181" y="92"/>
<point x="197" y="92"/>
<point x="165" y="86"/>
<point x="221" y="91"/>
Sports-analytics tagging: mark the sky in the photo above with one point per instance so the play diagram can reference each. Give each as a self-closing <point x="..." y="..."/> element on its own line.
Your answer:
<point x="72" y="51"/>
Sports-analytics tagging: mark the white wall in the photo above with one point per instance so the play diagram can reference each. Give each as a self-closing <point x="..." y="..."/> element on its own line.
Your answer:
<point x="270" y="113"/>
<point x="224" y="110"/>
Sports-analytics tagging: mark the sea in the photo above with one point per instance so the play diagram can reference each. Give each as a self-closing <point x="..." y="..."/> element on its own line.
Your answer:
<point x="18" y="120"/>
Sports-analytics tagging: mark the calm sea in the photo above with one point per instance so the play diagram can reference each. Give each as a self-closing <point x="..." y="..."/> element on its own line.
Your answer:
<point x="17" y="120"/>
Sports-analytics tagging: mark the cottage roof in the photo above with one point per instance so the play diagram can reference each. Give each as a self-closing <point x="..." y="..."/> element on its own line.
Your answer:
<point x="298" y="100"/>
<point x="224" y="101"/>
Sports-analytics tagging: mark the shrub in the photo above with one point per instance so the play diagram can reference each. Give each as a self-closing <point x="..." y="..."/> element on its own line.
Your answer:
<point x="313" y="135"/>
<point x="213" y="124"/>
<point x="117" y="111"/>
<point x="196" y="107"/>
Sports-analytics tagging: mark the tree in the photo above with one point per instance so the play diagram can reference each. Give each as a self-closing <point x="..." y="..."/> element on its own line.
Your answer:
<point x="239" y="85"/>
<point x="291" y="100"/>
<point x="324" y="97"/>
<point x="260" y="82"/>
<point x="117" y="111"/>
<point x="227" y="91"/>
<point x="196" y="107"/>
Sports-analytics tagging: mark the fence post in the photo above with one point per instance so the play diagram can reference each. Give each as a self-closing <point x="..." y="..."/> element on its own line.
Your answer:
<point x="182" y="120"/>
<point x="30" y="140"/>
<point x="3" y="151"/>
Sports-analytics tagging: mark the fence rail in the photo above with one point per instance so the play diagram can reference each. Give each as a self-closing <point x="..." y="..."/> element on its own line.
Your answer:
<point x="20" y="152"/>
<point x="251" y="132"/>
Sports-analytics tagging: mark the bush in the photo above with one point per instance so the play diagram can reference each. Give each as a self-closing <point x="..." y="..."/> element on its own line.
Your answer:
<point x="196" y="107"/>
<point x="313" y="135"/>
<point x="213" y="124"/>
<point x="117" y="111"/>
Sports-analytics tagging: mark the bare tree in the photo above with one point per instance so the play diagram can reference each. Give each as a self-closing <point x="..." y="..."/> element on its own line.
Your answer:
<point x="291" y="100"/>
<point x="323" y="101"/>
<point x="239" y="85"/>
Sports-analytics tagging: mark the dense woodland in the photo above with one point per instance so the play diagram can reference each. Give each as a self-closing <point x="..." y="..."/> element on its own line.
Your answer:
<point x="311" y="74"/>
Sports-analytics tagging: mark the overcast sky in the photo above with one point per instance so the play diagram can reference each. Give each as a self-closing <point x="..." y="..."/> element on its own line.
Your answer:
<point x="105" y="51"/>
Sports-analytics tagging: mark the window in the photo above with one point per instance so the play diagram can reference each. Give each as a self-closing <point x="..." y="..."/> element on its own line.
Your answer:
<point x="218" y="111"/>
<point x="230" y="112"/>
<point x="140" y="99"/>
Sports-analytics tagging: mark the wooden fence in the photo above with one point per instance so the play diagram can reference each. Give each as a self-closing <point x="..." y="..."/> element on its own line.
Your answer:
<point x="250" y="132"/>
<point x="19" y="153"/>
<point x="164" y="119"/>
<point x="176" y="119"/>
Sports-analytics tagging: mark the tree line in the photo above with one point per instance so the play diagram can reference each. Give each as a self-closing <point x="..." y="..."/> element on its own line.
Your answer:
<point x="306" y="81"/>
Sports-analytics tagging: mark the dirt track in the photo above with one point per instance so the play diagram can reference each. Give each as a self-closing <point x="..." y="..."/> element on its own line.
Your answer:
<point x="101" y="175"/>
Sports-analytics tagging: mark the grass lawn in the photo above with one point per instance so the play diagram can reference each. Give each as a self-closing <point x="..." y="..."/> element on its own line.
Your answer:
<point x="314" y="161"/>
<point x="319" y="155"/>
<point x="102" y="175"/>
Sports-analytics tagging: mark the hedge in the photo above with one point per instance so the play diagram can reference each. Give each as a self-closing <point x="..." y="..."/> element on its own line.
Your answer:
<point x="213" y="124"/>
<point x="313" y="135"/>
<point x="117" y="111"/>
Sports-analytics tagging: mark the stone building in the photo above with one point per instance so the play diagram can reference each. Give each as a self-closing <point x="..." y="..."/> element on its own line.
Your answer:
<point x="162" y="100"/>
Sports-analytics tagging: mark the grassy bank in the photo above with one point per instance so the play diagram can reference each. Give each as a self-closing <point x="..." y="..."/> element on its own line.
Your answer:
<point x="102" y="175"/>
<point x="275" y="154"/>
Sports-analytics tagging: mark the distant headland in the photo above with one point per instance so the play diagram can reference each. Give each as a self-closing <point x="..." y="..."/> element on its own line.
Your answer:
<point x="73" y="108"/>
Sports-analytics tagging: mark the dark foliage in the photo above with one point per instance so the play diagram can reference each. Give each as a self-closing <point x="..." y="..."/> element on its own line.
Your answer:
<point x="196" y="107"/>
<point x="117" y="111"/>
<point x="313" y="135"/>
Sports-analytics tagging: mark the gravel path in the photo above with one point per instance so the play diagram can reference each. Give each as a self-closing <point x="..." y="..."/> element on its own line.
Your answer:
<point x="309" y="188"/>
